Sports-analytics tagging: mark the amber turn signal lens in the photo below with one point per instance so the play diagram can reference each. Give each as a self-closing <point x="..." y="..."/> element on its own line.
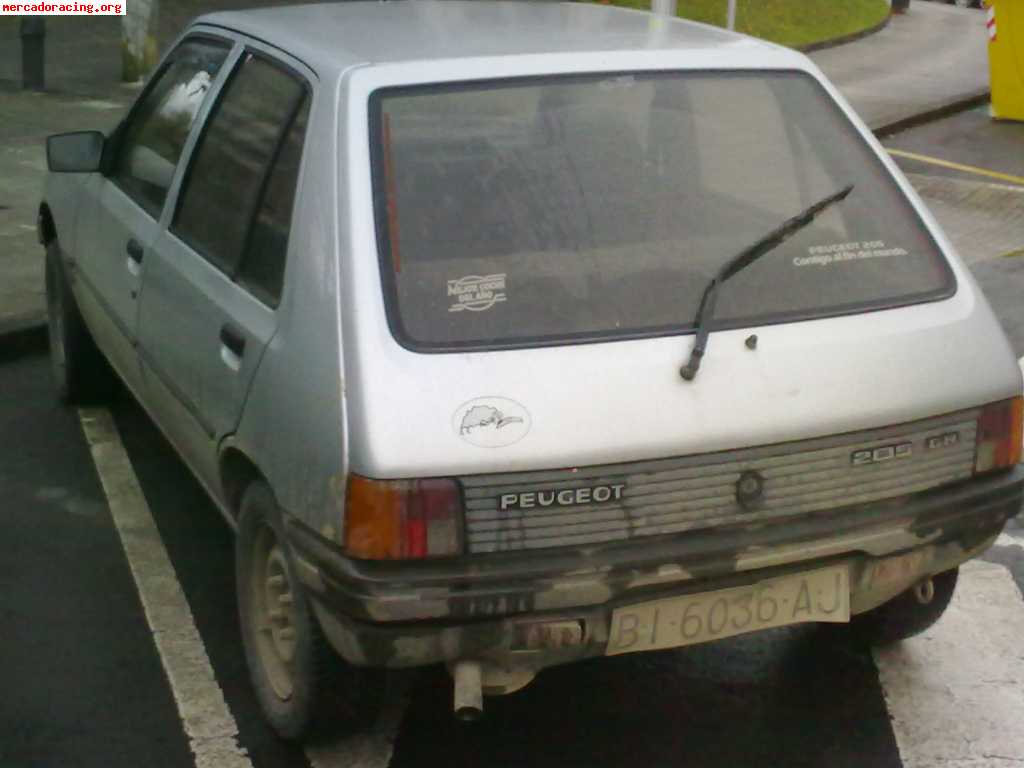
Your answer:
<point x="1000" y="431"/>
<point x="402" y="519"/>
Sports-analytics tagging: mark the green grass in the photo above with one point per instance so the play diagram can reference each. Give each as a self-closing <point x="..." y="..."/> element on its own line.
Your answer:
<point x="789" y="22"/>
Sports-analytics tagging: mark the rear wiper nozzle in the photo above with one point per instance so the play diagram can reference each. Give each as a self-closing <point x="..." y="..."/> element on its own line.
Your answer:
<point x="742" y="260"/>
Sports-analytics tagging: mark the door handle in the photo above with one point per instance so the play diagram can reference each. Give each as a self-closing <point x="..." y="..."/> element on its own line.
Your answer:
<point x="135" y="251"/>
<point x="233" y="339"/>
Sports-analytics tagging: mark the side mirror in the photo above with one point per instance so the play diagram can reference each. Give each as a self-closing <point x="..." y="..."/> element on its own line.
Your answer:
<point x="78" y="152"/>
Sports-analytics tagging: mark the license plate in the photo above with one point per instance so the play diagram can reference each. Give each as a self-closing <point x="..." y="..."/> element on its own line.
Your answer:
<point x="822" y="595"/>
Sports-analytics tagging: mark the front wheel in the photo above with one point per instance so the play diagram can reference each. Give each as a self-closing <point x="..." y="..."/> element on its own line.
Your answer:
<point x="303" y="687"/>
<point x="909" y="613"/>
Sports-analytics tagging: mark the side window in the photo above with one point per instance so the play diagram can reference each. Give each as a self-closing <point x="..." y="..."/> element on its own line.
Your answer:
<point x="153" y="138"/>
<point x="262" y="269"/>
<point x="247" y="129"/>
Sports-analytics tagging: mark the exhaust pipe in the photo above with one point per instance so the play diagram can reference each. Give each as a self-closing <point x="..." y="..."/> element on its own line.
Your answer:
<point x="924" y="591"/>
<point x="469" y="694"/>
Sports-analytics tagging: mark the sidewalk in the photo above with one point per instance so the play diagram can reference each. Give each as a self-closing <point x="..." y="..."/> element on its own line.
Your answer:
<point x="930" y="58"/>
<point x="25" y="119"/>
<point x="933" y="56"/>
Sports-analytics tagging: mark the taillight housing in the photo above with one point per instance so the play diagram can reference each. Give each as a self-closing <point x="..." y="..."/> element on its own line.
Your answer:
<point x="999" y="435"/>
<point x="402" y="519"/>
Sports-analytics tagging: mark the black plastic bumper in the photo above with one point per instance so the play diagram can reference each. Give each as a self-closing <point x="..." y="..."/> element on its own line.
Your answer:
<point x="445" y="609"/>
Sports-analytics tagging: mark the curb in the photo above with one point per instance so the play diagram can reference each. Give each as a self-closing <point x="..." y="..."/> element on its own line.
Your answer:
<point x="850" y="38"/>
<point x="930" y="115"/>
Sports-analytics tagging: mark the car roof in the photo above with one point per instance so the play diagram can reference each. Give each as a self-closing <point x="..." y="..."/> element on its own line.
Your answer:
<point x="367" y="32"/>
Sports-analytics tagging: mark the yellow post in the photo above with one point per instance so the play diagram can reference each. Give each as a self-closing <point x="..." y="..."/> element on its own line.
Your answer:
<point x="1006" y="57"/>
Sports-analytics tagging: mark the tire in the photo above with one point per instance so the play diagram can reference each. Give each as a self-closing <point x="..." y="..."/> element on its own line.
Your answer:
<point x="305" y="690"/>
<point x="80" y="372"/>
<point x="906" y="615"/>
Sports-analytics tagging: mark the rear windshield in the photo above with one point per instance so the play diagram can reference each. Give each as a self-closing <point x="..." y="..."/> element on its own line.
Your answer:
<point x="552" y="210"/>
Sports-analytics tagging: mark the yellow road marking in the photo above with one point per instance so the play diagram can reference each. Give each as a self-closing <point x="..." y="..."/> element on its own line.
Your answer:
<point x="958" y="166"/>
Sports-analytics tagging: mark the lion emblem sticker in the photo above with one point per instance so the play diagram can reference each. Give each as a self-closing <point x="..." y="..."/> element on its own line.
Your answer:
<point x="491" y="422"/>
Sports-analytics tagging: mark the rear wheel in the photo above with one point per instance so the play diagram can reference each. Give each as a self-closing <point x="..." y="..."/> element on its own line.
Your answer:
<point x="909" y="613"/>
<point x="80" y="372"/>
<point x="303" y="687"/>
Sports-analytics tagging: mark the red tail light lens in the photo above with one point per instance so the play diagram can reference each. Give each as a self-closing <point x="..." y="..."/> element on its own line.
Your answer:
<point x="999" y="435"/>
<point x="402" y="519"/>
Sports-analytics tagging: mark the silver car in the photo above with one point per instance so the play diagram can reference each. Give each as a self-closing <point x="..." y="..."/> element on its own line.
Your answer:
<point x="510" y="334"/>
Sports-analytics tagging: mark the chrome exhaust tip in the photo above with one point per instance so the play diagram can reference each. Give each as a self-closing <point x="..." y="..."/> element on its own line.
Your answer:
<point x="468" y="691"/>
<point x="924" y="591"/>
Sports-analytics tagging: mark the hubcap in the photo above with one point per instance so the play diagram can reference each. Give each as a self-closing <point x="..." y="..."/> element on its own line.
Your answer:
<point x="274" y="614"/>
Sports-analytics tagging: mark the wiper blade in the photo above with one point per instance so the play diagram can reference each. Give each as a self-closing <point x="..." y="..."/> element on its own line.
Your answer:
<point x="742" y="260"/>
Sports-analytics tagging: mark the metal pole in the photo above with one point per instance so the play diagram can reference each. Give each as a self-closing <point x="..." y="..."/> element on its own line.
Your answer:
<point x="33" y="52"/>
<point x="664" y="7"/>
<point x="731" y="23"/>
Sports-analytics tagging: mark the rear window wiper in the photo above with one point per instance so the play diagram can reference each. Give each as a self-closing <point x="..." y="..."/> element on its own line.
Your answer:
<point x="742" y="260"/>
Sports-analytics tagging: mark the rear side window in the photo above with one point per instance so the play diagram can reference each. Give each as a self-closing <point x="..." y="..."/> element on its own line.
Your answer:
<point x="247" y="131"/>
<point x="155" y="134"/>
<point x="262" y="268"/>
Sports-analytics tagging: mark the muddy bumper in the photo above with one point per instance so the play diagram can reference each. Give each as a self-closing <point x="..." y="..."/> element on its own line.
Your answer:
<point x="548" y="607"/>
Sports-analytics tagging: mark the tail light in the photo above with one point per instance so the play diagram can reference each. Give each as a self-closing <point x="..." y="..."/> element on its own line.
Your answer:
<point x="402" y="519"/>
<point x="999" y="435"/>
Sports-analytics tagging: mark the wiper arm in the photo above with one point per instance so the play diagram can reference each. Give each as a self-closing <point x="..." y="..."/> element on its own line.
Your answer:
<point x="742" y="260"/>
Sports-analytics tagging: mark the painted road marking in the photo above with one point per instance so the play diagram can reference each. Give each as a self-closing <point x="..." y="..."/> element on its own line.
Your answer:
<point x="372" y="749"/>
<point x="1006" y="540"/>
<point x="207" y="721"/>
<point x="957" y="166"/>
<point x="211" y="729"/>
<point x="956" y="693"/>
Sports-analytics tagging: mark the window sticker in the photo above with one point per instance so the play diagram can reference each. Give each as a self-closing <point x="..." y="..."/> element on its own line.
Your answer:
<point x="835" y="253"/>
<point x="476" y="292"/>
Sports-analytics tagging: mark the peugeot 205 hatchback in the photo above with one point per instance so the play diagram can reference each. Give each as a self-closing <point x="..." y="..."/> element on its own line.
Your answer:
<point x="508" y="334"/>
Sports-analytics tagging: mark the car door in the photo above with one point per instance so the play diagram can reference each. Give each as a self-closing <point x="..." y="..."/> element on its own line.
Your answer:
<point x="214" y="276"/>
<point x="121" y="216"/>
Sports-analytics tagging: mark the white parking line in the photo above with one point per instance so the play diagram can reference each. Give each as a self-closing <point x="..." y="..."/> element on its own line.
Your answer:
<point x="372" y="749"/>
<point x="956" y="693"/>
<point x="211" y="730"/>
<point x="207" y="721"/>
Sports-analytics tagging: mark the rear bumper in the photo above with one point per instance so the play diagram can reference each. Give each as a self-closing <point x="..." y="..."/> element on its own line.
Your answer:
<point x="414" y="613"/>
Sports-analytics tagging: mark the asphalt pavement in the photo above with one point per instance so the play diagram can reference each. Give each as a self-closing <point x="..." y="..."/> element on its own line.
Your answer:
<point x="970" y="139"/>
<point x="83" y="682"/>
